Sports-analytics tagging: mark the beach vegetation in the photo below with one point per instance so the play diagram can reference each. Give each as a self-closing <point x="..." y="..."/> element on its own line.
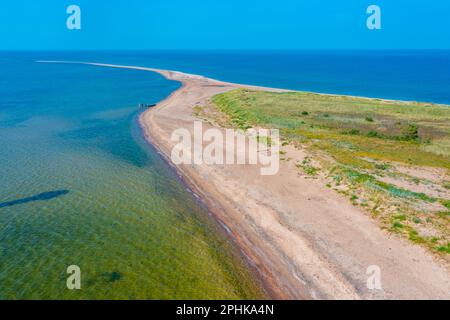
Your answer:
<point x="444" y="249"/>
<point x="417" y="220"/>
<point x="307" y="167"/>
<point x="381" y="166"/>
<point x="415" y="237"/>
<point x="446" y="203"/>
<point x="397" y="225"/>
<point x="411" y="132"/>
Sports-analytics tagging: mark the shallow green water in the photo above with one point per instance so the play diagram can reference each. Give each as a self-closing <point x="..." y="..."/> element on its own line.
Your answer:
<point x="79" y="186"/>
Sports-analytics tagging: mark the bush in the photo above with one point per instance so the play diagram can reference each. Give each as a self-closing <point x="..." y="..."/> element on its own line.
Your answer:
<point x="369" y="119"/>
<point x="446" y="203"/>
<point x="397" y="225"/>
<point x="372" y="134"/>
<point x="354" y="132"/>
<point x="381" y="166"/>
<point x="411" y="132"/>
<point x="445" y="249"/>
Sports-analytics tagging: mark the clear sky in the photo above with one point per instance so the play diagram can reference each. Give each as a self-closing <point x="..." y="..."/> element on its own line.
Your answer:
<point x="224" y="24"/>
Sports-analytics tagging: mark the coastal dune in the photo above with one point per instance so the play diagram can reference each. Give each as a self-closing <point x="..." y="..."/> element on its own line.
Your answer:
<point x="304" y="240"/>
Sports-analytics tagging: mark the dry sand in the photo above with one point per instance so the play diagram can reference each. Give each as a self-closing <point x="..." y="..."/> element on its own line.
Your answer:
<point x="305" y="240"/>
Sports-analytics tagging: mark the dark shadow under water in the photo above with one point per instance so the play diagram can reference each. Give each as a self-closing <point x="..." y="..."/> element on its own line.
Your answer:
<point x="39" y="197"/>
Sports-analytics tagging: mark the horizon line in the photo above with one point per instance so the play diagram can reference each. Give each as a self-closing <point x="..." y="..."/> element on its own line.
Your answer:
<point x="194" y="50"/>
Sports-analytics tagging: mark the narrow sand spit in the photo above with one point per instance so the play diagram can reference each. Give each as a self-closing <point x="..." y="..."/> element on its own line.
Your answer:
<point x="306" y="241"/>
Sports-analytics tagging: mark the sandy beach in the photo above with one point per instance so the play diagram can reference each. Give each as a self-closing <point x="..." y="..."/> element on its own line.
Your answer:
<point x="304" y="240"/>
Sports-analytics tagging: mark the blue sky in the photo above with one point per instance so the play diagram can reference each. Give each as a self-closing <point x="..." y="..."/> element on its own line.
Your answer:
<point x="224" y="24"/>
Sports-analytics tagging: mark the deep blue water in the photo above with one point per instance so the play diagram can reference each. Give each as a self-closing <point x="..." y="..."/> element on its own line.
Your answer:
<point x="405" y="75"/>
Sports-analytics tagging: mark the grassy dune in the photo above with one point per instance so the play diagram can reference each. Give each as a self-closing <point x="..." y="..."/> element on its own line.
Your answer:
<point x="391" y="158"/>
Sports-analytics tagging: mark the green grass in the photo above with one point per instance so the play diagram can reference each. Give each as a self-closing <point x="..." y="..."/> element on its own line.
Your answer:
<point x="397" y="225"/>
<point x="361" y="140"/>
<point x="413" y="133"/>
<point x="371" y="182"/>
<point x="415" y="237"/>
<point x="410" y="133"/>
<point x="444" y="249"/>
<point x="446" y="203"/>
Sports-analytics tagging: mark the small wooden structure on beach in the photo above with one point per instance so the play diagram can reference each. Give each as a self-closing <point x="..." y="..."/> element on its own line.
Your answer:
<point x="146" y="106"/>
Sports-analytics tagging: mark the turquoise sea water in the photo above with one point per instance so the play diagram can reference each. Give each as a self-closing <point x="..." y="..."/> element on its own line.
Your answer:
<point x="80" y="186"/>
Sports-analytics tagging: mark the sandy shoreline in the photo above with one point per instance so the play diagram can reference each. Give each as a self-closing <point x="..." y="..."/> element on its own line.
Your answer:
<point x="306" y="241"/>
